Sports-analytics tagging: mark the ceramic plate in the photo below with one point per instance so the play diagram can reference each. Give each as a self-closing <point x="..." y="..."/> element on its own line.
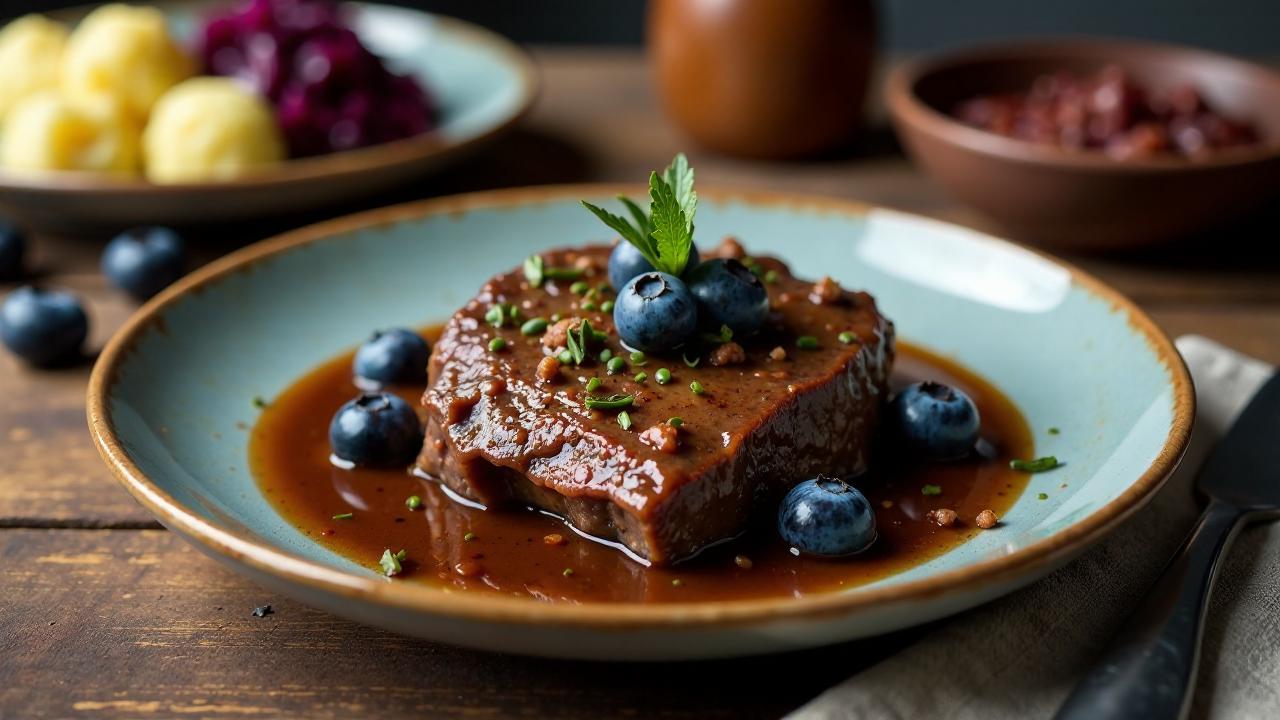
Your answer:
<point x="482" y="83"/>
<point x="171" y="396"/>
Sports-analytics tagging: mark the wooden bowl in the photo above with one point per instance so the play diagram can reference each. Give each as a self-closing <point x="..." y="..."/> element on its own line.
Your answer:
<point x="482" y="82"/>
<point x="1084" y="199"/>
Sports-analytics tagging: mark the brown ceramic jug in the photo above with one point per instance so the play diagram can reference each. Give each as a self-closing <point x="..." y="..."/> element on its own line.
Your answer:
<point x="763" y="78"/>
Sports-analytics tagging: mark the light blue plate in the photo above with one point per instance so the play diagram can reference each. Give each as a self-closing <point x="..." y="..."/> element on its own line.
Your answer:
<point x="481" y="82"/>
<point x="171" y="395"/>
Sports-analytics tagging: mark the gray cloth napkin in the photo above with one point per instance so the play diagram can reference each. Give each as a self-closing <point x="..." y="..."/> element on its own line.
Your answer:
<point x="1020" y="656"/>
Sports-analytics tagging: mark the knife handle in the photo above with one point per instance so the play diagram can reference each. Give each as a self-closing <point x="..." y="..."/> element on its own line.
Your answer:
<point x="1149" y="668"/>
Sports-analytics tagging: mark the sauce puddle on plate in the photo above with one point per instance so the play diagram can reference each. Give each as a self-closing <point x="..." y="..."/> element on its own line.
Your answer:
<point x="448" y="544"/>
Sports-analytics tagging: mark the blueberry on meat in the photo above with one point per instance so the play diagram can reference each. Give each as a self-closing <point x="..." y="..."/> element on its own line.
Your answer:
<point x="13" y="246"/>
<point x="935" y="420"/>
<point x="43" y="327"/>
<point x="654" y="312"/>
<point x="375" y="429"/>
<point x="727" y="293"/>
<point x="392" y="356"/>
<point x="626" y="262"/>
<point x="826" y="517"/>
<point x="143" y="261"/>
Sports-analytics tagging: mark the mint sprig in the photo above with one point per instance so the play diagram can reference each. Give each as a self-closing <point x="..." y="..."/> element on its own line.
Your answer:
<point x="664" y="236"/>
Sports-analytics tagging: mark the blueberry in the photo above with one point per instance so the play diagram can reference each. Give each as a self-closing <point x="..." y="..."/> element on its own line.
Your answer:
<point x="935" y="420"/>
<point x="654" y="312"/>
<point x="826" y="517"/>
<point x="13" y="246"/>
<point x="376" y="429"/>
<point x="727" y="293"/>
<point x="143" y="261"/>
<point x="43" y="327"/>
<point x="393" y="356"/>
<point x="626" y="262"/>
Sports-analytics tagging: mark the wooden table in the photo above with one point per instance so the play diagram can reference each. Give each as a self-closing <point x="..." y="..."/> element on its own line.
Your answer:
<point x="104" y="614"/>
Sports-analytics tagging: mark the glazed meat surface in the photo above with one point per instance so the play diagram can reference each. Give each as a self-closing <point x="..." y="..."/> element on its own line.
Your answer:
<point x="508" y="429"/>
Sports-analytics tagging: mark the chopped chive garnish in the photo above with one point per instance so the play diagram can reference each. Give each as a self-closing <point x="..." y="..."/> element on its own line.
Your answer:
<point x="469" y="537"/>
<point x="605" y="355"/>
<point x="675" y="422"/>
<point x="807" y="342"/>
<point x="624" y="419"/>
<point x="344" y="516"/>
<point x="259" y="402"/>
<point x="1042" y="496"/>
<point x="604" y="287"/>
<point x="1038" y="465"/>
<point x="562" y="273"/>
<point x="771" y="277"/>
<point x="536" y="326"/>
<point x="677" y="582"/>
<point x="1054" y="431"/>
<point x="612" y="402"/>
<point x="663" y="376"/>
<point x="615" y="365"/>
<point x="413" y="503"/>
<point x="579" y="287"/>
<point x="641" y="376"/>
<point x="589" y="306"/>
<point x="390" y="562"/>
<point x="579" y="340"/>
<point x="593" y="384"/>
<point x="568" y="572"/>
<point x="606" y="306"/>
<point x="513" y="312"/>
<point x="590" y="294"/>
<point x="691" y="363"/>
<point x="846" y="337"/>
<point x="565" y="357"/>
<point x="931" y="490"/>
<point x="496" y="315"/>
<point x="497" y="344"/>
<point x="637" y="358"/>
<point x="718" y="338"/>
<point x="697" y="388"/>
<point x="533" y="266"/>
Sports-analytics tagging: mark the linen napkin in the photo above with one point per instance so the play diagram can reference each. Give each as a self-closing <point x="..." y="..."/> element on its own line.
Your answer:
<point x="1020" y="656"/>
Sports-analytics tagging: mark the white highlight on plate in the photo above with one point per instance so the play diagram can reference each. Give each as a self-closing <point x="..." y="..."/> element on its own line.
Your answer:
<point x="961" y="262"/>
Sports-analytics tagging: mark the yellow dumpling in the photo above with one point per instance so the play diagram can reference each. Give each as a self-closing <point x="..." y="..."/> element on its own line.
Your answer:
<point x="209" y="128"/>
<point x="30" y="57"/>
<point x="124" y="53"/>
<point x="48" y="132"/>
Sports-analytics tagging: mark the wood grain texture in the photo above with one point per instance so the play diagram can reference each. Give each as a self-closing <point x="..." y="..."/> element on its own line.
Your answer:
<point x="144" y="626"/>
<point x="138" y="624"/>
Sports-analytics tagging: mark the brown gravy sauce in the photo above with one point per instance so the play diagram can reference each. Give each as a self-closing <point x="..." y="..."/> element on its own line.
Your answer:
<point x="454" y="546"/>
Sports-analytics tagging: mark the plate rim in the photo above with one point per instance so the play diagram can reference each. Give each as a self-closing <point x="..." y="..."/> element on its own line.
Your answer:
<point x="418" y="598"/>
<point x="428" y="146"/>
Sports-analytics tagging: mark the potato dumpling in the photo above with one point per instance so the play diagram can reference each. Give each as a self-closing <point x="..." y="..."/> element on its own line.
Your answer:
<point x="30" y="57"/>
<point x="209" y="128"/>
<point x="124" y="53"/>
<point x="48" y="132"/>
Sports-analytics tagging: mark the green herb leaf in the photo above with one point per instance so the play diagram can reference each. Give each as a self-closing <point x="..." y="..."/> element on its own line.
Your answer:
<point x="579" y="339"/>
<point x="533" y="266"/>
<point x="679" y="175"/>
<point x="672" y="229"/>
<point x="675" y="422"/>
<point x="390" y="562"/>
<point x="413" y="502"/>
<point x="344" y="516"/>
<point x="1038" y="465"/>
<point x="496" y="315"/>
<point x="720" y="338"/>
<point x="641" y="240"/>
<point x="624" y="419"/>
<point x="612" y="402"/>
<point x="691" y="363"/>
<point x="640" y="217"/>
<point x="931" y="490"/>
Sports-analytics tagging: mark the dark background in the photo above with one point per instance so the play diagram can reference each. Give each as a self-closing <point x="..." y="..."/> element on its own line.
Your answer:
<point x="1250" y="27"/>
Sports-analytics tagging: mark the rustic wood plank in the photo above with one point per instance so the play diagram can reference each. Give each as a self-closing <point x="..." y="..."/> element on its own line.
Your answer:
<point x="138" y="624"/>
